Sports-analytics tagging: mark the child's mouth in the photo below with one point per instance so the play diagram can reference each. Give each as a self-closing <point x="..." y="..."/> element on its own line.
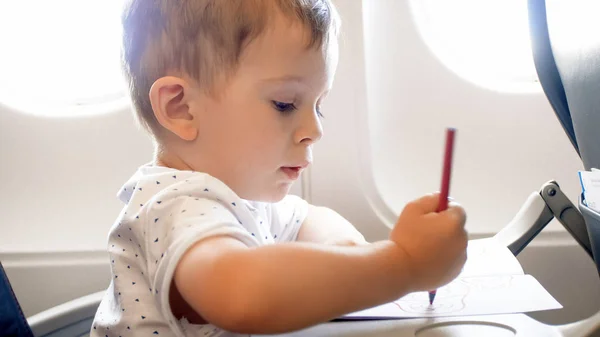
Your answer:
<point x="293" y="172"/>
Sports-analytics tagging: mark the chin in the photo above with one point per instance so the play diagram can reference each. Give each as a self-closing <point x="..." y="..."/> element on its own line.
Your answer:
<point x="276" y="194"/>
<point x="274" y="197"/>
<point x="270" y="193"/>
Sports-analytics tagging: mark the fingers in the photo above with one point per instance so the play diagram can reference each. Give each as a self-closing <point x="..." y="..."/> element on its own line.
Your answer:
<point x="424" y="205"/>
<point x="457" y="212"/>
<point x="429" y="203"/>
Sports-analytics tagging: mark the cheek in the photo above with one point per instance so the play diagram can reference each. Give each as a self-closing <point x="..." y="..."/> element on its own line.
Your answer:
<point x="257" y="134"/>
<point x="266" y="144"/>
<point x="266" y="147"/>
<point x="263" y="128"/>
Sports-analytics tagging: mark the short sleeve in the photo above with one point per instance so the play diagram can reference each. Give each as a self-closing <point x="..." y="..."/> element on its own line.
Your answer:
<point x="186" y="221"/>
<point x="287" y="217"/>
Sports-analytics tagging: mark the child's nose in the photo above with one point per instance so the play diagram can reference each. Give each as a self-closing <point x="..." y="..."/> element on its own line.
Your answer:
<point x="310" y="129"/>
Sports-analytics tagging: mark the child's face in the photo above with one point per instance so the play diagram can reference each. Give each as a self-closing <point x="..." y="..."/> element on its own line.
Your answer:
<point x="257" y="137"/>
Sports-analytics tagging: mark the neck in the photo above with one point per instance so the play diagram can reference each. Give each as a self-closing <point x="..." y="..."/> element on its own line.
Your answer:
<point x="167" y="158"/>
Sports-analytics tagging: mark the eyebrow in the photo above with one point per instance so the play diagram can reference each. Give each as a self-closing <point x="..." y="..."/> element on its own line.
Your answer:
<point x="286" y="78"/>
<point x="294" y="79"/>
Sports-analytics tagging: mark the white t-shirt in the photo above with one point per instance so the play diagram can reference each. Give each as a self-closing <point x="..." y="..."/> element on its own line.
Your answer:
<point x="166" y="212"/>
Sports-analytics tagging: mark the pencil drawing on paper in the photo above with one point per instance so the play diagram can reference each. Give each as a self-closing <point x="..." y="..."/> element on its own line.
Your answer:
<point x="451" y="298"/>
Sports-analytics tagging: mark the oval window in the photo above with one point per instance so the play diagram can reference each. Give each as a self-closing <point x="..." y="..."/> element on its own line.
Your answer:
<point x="484" y="42"/>
<point x="61" y="58"/>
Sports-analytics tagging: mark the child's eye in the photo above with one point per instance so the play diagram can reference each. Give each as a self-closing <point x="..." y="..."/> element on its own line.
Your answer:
<point x="290" y="107"/>
<point x="284" y="107"/>
<point x="319" y="113"/>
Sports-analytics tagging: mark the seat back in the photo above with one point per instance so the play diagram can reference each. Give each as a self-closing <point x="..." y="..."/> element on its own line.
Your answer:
<point x="12" y="320"/>
<point x="566" y="48"/>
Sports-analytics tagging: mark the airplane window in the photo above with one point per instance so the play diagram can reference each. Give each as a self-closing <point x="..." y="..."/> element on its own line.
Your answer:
<point x="61" y="58"/>
<point x="484" y="42"/>
<point x="411" y="97"/>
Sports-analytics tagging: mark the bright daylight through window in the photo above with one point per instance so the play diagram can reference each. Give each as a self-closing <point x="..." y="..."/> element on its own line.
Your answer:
<point x="484" y="42"/>
<point x="61" y="58"/>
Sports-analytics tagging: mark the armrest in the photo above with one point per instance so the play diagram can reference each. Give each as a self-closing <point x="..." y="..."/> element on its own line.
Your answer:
<point x="533" y="216"/>
<point x="539" y="209"/>
<point x="65" y="315"/>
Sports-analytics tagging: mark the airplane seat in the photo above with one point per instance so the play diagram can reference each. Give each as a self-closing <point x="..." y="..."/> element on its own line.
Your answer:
<point x="73" y="318"/>
<point x="12" y="320"/>
<point x="69" y="319"/>
<point x="571" y="39"/>
<point x="566" y="48"/>
<point x="566" y="53"/>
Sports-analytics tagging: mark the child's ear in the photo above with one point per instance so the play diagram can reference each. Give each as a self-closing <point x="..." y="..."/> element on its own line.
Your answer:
<point x="170" y="98"/>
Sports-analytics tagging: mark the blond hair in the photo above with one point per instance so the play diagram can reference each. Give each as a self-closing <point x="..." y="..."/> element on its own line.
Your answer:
<point x="203" y="38"/>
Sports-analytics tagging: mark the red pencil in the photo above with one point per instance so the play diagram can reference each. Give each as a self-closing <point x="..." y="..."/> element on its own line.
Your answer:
<point x="445" y="189"/>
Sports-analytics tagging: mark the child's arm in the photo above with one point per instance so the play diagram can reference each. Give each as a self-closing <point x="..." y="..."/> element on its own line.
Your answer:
<point x="285" y="287"/>
<point x="323" y="225"/>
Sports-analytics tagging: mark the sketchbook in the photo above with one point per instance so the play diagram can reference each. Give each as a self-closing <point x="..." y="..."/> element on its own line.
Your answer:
<point x="491" y="282"/>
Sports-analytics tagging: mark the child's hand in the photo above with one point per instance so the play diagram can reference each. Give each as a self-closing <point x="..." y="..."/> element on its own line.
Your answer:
<point x="435" y="243"/>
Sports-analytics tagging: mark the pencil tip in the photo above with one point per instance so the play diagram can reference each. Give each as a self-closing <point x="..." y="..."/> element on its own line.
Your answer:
<point x="431" y="297"/>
